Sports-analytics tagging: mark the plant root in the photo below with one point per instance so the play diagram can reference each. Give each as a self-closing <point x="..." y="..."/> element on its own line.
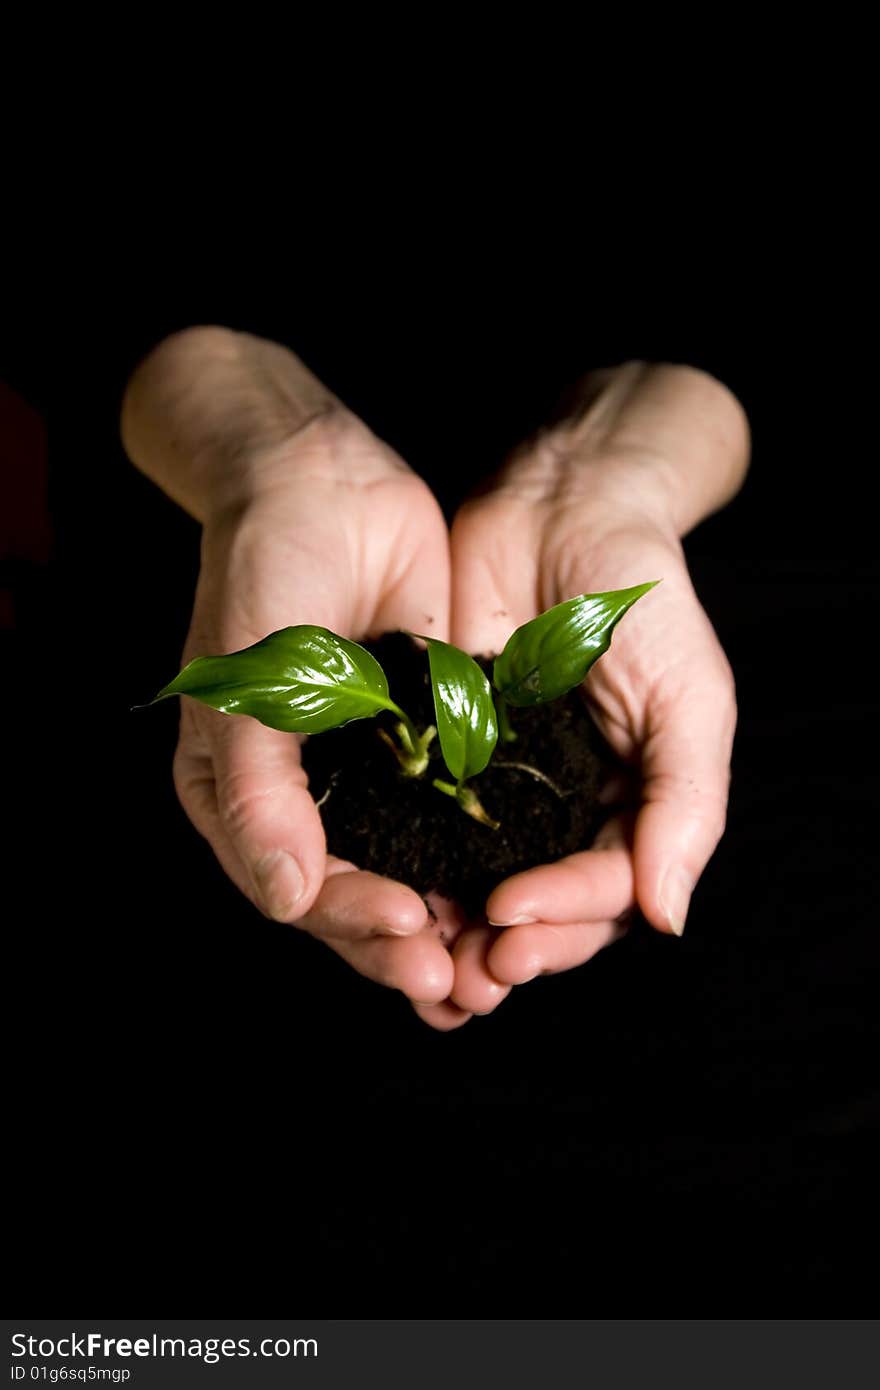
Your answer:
<point x="326" y="797"/>
<point x="533" y="772"/>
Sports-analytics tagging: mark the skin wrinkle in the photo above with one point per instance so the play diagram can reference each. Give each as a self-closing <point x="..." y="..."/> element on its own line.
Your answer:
<point x="541" y="465"/>
<point x="595" y="424"/>
<point x="532" y="477"/>
<point x="568" y="548"/>
<point x="556" y="464"/>
<point x="620" y="726"/>
<point x="302" y="552"/>
<point x="237" y="810"/>
<point x="193" y="776"/>
<point x="604" y="433"/>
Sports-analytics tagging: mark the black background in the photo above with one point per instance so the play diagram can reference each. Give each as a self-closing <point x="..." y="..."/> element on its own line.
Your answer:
<point x="207" y="1105"/>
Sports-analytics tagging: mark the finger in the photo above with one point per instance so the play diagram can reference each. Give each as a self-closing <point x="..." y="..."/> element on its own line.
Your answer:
<point x="354" y="905"/>
<point x="686" y="779"/>
<point x="444" y="1017"/>
<point x="522" y="953"/>
<point x="197" y="790"/>
<point x="266" y="813"/>
<point x="492" y="593"/>
<point x="589" y="886"/>
<point x="351" y="904"/>
<point x="419" y="966"/>
<point x="476" y="990"/>
<point x="447" y="919"/>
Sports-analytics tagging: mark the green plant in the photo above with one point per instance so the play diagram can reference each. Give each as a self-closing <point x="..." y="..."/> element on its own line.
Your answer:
<point x="307" y="680"/>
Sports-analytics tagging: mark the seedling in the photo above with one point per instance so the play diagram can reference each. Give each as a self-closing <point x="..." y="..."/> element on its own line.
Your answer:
<point x="466" y="722"/>
<point x="307" y="680"/>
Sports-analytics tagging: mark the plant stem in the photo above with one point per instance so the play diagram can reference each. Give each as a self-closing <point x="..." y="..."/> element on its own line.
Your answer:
<point x="412" y="751"/>
<point x="468" y="801"/>
<point x="506" y="732"/>
<point x="408" y="733"/>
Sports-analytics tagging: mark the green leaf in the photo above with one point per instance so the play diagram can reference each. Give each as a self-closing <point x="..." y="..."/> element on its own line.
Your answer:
<point x="466" y="721"/>
<point x="302" y="679"/>
<point x="550" y="655"/>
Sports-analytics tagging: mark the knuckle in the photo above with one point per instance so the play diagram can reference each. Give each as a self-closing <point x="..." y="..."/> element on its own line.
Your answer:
<point x="241" y="805"/>
<point x="192" y="778"/>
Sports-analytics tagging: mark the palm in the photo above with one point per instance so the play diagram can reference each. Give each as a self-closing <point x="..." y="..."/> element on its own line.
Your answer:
<point x="354" y="542"/>
<point x="366" y="542"/>
<point x="662" y="697"/>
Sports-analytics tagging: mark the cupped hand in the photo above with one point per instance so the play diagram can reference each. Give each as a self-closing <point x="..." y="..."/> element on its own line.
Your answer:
<point x="343" y="535"/>
<point x="564" y="518"/>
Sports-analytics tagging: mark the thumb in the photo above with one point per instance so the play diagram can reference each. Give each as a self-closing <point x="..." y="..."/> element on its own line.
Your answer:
<point x="267" y="814"/>
<point x="255" y="808"/>
<point x="685" y="783"/>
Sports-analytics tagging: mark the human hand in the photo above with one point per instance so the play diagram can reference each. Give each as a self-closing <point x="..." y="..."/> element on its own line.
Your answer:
<point x="598" y="503"/>
<point x="307" y="518"/>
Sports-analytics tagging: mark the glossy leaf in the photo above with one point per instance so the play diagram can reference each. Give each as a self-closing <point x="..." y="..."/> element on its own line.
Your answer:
<point x="550" y="655"/>
<point x="466" y="722"/>
<point x="301" y="679"/>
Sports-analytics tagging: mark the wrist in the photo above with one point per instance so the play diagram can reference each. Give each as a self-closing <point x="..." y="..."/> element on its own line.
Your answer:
<point x="667" y="441"/>
<point x="265" y="479"/>
<point x="216" y="417"/>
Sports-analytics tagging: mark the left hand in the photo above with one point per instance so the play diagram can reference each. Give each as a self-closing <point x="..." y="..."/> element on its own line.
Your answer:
<point x="575" y="514"/>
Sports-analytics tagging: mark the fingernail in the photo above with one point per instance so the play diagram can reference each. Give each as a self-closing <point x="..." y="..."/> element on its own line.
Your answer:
<point x="523" y="920"/>
<point x="280" y="884"/>
<point x="675" y="897"/>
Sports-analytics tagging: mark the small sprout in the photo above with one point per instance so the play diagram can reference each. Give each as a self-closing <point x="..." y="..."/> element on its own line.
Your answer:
<point x="412" y="755"/>
<point x="550" y="655"/>
<point x="466" y="722"/>
<point x="468" y="801"/>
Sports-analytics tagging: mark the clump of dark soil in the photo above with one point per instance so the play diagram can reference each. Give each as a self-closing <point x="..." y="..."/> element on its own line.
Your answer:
<point x="404" y="828"/>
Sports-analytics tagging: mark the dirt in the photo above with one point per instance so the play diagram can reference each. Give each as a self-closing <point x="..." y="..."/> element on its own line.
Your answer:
<point x="404" y="828"/>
